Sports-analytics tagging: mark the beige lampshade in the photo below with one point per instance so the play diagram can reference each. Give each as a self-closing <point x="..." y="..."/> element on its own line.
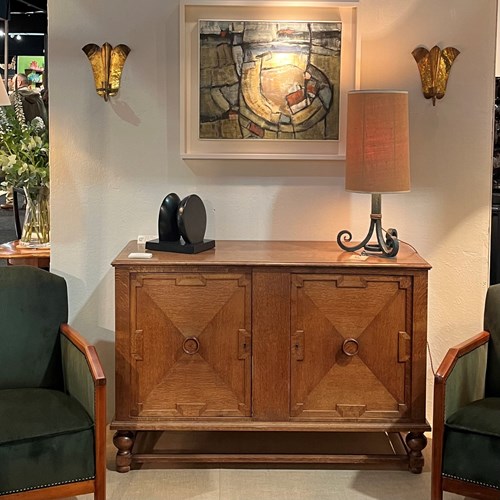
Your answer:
<point x="4" y="98"/>
<point x="377" y="155"/>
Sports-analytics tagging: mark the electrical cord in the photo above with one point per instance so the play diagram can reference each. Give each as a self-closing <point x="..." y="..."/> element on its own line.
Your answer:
<point x="365" y="253"/>
<point x="430" y="358"/>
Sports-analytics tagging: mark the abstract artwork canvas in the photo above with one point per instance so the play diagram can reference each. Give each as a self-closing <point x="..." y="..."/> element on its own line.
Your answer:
<point x="269" y="80"/>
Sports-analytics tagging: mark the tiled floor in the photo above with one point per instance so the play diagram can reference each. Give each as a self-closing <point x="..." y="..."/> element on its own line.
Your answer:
<point x="250" y="484"/>
<point x="266" y="484"/>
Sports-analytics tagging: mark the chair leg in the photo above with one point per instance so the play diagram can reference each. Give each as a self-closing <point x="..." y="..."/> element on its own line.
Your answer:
<point x="100" y="490"/>
<point x="436" y="486"/>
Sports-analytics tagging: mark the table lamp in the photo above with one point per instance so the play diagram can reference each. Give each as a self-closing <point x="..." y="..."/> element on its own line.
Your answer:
<point x="377" y="159"/>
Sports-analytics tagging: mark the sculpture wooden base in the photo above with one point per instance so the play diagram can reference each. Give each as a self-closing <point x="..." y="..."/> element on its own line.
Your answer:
<point x="178" y="247"/>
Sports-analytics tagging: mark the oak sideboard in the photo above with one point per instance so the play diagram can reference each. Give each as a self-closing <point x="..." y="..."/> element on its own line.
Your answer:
<point x="270" y="343"/>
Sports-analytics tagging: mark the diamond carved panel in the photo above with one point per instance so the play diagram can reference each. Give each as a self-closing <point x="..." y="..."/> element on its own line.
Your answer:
<point x="328" y="381"/>
<point x="194" y="344"/>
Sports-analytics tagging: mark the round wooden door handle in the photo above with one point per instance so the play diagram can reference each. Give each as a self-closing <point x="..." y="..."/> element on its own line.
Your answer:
<point x="191" y="345"/>
<point x="350" y="347"/>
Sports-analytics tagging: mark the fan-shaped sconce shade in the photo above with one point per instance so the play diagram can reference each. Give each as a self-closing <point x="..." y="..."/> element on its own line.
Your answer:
<point x="107" y="65"/>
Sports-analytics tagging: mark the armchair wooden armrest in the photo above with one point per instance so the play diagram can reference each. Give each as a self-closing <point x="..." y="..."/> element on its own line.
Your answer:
<point x="81" y="363"/>
<point x="459" y="380"/>
<point x="88" y="351"/>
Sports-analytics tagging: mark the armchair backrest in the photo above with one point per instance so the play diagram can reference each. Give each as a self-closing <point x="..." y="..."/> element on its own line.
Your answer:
<point x="492" y="325"/>
<point x="33" y="303"/>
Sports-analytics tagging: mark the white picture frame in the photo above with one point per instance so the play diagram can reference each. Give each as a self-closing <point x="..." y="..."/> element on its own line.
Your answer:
<point x="192" y="11"/>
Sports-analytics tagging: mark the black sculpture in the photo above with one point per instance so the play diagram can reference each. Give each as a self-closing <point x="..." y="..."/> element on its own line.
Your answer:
<point x="186" y="219"/>
<point x="192" y="219"/>
<point x="167" y="219"/>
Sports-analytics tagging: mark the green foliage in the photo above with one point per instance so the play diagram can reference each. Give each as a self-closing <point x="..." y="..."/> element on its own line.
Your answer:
<point x="24" y="150"/>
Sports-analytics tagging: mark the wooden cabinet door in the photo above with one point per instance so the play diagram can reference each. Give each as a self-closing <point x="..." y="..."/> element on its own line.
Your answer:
<point x="350" y="346"/>
<point x="190" y="345"/>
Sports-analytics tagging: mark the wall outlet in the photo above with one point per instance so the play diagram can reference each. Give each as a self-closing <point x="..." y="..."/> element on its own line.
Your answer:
<point x="141" y="241"/>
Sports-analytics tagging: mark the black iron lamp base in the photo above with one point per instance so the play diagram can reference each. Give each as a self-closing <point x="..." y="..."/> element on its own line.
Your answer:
<point x="387" y="246"/>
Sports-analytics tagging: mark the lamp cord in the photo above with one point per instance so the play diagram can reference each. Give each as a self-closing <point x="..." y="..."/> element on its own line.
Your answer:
<point x="431" y="361"/>
<point x="430" y="358"/>
<point x="405" y="242"/>
<point x="363" y="252"/>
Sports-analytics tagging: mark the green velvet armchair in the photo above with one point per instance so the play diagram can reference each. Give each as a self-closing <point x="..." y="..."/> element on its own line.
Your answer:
<point x="466" y="423"/>
<point x="52" y="394"/>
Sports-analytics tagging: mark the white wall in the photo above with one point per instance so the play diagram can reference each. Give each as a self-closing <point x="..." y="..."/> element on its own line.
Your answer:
<point x="112" y="163"/>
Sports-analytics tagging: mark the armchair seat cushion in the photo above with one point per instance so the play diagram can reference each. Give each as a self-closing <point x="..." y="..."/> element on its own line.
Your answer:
<point x="472" y="443"/>
<point x="46" y="438"/>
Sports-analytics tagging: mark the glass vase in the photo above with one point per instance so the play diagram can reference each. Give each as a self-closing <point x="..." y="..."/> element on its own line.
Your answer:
<point x="36" y="227"/>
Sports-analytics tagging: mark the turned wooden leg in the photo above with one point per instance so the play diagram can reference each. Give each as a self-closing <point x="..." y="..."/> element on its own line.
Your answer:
<point x="416" y="441"/>
<point x="123" y="440"/>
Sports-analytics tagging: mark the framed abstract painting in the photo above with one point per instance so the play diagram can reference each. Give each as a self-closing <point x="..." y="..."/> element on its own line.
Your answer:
<point x="266" y="80"/>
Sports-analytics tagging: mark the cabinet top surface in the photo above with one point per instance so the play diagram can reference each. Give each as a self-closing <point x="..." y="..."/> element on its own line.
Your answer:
<point x="274" y="253"/>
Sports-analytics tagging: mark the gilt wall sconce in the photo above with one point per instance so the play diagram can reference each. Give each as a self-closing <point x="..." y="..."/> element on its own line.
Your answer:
<point x="107" y="65"/>
<point x="434" y="66"/>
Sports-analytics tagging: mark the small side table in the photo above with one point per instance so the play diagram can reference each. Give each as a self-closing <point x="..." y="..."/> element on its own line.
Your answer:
<point x="22" y="256"/>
